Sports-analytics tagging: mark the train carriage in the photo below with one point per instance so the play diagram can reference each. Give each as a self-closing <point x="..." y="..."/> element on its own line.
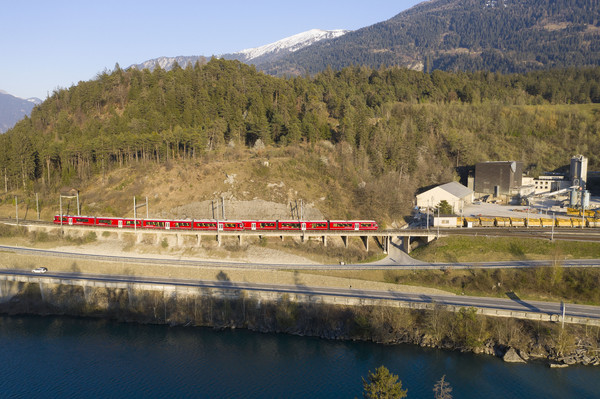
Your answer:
<point x="577" y="222"/>
<point x="131" y="223"/>
<point x="167" y="224"/>
<point x="289" y="225"/>
<point x="593" y="222"/>
<point x="109" y="222"/>
<point x="355" y="225"/>
<point x="560" y="222"/>
<point x="471" y="222"/>
<point x="230" y="225"/>
<point x="487" y="221"/>
<point x="205" y="225"/>
<point x="317" y="225"/>
<point x="259" y="225"/>
<point x="75" y="220"/>
<point x="502" y="221"/>
<point x="517" y="222"/>
<point x="368" y="225"/>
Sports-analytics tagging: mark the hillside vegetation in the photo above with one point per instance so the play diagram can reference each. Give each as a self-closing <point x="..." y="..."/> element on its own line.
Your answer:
<point x="465" y="35"/>
<point x="359" y="142"/>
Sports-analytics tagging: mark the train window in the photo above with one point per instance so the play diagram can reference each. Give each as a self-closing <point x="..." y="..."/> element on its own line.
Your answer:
<point x="231" y="225"/>
<point x="181" y="224"/>
<point x="366" y="225"/>
<point x="81" y="220"/>
<point x="319" y="225"/>
<point x="131" y="222"/>
<point x="104" y="221"/>
<point x="156" y="224"/>
<point x="290" y="225"/>
<point x="342" y="225"/>
<point x="265" y="225"/>
<point x="205" y="225"/>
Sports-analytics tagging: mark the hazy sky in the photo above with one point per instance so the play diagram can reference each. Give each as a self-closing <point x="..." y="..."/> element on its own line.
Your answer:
<point x="49" y="44"/>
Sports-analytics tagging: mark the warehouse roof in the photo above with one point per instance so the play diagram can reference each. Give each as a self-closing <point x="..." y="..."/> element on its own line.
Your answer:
<point x="456" y="189"/>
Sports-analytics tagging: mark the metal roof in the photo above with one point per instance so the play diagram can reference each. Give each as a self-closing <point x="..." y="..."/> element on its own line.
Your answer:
<point x="456" y="189"/>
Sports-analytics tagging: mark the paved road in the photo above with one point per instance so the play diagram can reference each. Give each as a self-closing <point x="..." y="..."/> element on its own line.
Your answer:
<point x="512" y="304"/>
<point x="397" y="260"/>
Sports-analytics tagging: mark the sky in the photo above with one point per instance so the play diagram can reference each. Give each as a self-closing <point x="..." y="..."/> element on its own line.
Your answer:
<point x="51" y="44"/>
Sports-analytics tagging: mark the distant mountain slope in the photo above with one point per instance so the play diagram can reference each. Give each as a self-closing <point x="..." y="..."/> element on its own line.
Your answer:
<point x="496" y="35"/>
<point x="258" y="55"/>
<point x="13" y="109"/>
<point x="273" y="51"/>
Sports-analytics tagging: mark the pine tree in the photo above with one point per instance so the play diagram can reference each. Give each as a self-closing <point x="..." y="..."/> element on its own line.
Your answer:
<point x="382" y="385"/>
<point x="442" y="389"/>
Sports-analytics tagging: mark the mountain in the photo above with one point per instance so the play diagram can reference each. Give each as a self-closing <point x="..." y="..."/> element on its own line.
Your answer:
<point x="497" y="35"/>
<point x="13" y="109"/>
<point x="257" y="56"/>
<point x="272" y="52"/>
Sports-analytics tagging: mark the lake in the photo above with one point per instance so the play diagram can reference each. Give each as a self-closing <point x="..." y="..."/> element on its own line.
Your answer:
<point x="62" y="357"/>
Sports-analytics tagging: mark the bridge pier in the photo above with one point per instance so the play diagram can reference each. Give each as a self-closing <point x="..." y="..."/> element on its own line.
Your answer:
<point x="198" y="240"/>
<point x="240" y="240"/>
<point x="345" y="240"/>
<point x="325" y="241"/>
<point x="406" y="244"/>
<point x="365" y="240"/>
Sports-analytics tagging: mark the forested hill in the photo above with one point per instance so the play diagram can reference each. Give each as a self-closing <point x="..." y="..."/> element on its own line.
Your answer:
<point x="465" y="35"/>
<point x="388" y="131"/>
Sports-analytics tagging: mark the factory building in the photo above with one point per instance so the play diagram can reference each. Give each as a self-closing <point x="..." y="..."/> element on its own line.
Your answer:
<point x="454" y="193"/>
<point x="498" y="178"/>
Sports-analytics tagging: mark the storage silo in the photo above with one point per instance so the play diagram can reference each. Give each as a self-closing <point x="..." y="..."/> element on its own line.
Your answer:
<point x="578" y="172"/>
<point x="585" y="200"/>
<point x="573" y="198"/>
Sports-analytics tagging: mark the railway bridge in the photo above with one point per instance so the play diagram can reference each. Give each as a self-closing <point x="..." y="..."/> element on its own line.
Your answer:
<point x="381" y="238"/>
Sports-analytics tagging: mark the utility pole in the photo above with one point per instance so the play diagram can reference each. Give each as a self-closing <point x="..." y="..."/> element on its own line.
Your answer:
<point x="17" y="208"/>
<point x="135" y="207"/>
<point x="61" y="217"/>
<point x="223" y="207"/>
<point x="438" y="226"/>
<point x="37" y="206"/>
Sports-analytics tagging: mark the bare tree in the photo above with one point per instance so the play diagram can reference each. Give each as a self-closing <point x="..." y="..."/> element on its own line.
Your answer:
<point x="442" y="389"/>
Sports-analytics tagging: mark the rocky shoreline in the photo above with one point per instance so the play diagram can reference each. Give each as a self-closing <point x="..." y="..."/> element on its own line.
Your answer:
<point x="513" y="340"/>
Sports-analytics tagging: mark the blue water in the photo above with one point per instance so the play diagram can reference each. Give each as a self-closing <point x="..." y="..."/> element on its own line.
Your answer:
<point x="56" y="357"/>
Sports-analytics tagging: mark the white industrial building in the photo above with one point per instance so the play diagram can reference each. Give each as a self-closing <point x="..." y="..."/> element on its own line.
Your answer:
<point x="454" y="193"/>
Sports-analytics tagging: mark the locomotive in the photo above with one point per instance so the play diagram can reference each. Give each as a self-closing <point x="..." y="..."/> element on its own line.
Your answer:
<point x="219" y="225"/>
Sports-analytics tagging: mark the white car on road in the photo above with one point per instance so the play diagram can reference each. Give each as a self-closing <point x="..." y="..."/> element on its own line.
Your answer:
<point x="40" y="270"/>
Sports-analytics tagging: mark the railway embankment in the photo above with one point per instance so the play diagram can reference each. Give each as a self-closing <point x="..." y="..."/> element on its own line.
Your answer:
<point x="306" y="314"/>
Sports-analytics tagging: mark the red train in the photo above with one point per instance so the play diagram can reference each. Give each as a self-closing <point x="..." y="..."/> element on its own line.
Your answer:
<point x="220" y="225"/>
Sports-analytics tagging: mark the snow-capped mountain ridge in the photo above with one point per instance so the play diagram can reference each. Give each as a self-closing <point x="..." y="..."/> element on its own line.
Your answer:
<point x="292" y="43"/>
<point x="257" y="55"/>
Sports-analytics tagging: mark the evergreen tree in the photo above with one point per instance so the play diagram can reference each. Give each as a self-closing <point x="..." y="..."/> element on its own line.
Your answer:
<point x="382" y="385"/>
<point x="442" y="389"/>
